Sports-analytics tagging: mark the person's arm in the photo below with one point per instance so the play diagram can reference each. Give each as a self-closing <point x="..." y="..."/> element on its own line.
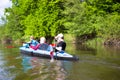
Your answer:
<point x="61" y="46"/>
<point x="35" y="47"/>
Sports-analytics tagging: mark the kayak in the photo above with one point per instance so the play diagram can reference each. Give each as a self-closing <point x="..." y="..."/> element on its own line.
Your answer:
<point x="46" y="54"/>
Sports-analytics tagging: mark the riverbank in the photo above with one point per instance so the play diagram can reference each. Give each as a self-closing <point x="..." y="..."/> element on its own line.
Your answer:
<point x="110" y="42"/>
<point x="70" y="38"/>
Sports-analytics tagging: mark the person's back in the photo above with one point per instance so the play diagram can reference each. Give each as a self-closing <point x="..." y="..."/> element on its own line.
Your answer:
<point x="43" y="46"/>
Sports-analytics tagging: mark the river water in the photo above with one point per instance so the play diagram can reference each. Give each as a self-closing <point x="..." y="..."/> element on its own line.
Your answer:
<point x="96" y="62"/>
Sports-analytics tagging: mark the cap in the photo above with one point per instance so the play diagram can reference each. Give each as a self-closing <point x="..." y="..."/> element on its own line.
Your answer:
<point x="60" y="35"/>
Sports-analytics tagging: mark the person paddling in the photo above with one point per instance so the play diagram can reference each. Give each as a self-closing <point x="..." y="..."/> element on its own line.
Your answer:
<point x="61" y="44"/>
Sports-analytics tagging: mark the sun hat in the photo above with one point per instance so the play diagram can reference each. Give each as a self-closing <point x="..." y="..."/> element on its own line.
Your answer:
<point x="60" y="35"/>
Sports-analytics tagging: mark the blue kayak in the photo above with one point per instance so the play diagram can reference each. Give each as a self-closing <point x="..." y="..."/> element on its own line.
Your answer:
<point x="46" y="54"/>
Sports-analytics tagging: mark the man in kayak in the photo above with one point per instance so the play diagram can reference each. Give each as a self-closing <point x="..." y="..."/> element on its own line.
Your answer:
<point x="61" y="44"/>
<point x="44" y="46"/>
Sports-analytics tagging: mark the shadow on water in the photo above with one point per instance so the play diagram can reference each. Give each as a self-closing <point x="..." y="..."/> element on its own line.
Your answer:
<point x="86" y="48"/>
<point x="78" y="48"/>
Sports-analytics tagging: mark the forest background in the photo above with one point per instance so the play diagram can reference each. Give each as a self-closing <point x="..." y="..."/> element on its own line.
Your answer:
<point x="83" y="19"/>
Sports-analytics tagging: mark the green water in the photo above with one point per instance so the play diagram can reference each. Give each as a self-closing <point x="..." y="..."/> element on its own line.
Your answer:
<point x="96" y="63"/>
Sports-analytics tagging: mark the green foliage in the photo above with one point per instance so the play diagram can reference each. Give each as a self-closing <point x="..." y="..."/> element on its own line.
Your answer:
<point x="13" y="27"/>
<point x="98" y="17"/>
<point x="79" y="19"/>
<point x="34" y="17"/>
<point x="50" y="17"/>
<point x="2" y="31"/>
<point x="45" y="20"/>
<point x="112" y="26"/>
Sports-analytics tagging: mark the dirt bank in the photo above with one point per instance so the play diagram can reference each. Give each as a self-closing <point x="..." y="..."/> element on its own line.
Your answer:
<point x="112" y="42"/>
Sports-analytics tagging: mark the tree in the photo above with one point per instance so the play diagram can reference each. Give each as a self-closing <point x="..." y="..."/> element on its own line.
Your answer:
<point x="35" y="17"/>
<point x="13" y="27"/>
<point x="45" y="19"/>
<point x="91" y="17"/>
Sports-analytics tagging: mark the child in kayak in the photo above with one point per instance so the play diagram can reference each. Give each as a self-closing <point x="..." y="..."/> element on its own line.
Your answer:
<point x="32" y="42"/>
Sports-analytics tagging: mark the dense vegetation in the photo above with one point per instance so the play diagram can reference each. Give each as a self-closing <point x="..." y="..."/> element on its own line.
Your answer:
<point x="34" y="17"/>
<point x="83" y="18"/>
<point x="99" y="17"/>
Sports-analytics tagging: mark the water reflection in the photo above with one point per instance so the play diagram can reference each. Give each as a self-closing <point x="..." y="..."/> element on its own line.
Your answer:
<point x="26" y="63"/>
<point x="82" y="48"/>
<point x="44" y="69"/>
<point x="5" y="73"/>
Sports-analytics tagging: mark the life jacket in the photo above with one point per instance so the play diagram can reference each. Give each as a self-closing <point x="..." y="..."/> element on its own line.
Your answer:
<point x="33" y="43"/>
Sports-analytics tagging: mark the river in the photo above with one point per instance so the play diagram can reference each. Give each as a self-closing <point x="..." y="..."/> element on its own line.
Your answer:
<point x="96" y="62"/>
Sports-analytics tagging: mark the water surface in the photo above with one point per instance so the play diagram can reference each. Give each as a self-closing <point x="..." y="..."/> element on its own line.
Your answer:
<point x="96" y="62"/>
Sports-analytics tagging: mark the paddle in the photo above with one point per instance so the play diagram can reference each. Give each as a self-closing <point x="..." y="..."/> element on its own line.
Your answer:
<point x="52" y="52"/>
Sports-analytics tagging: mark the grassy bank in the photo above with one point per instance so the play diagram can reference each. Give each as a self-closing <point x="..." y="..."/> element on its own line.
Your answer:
<point x="69" y="38"/>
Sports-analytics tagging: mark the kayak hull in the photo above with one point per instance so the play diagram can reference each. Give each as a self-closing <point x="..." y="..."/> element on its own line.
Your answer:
<point x="46" y="54"/>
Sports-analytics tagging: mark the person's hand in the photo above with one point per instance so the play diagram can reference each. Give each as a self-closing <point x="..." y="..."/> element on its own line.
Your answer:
<point x="59" y="48"/>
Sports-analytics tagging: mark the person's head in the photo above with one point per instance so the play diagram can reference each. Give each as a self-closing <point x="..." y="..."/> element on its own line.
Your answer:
<point x="59" y="36"/>
<point x="59" y="39"/>
<point x="31" y="37"/>
<point x="42" y="40"/>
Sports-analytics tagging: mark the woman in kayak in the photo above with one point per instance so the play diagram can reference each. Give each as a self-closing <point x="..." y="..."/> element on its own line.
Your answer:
<point x="61" y="44"/>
